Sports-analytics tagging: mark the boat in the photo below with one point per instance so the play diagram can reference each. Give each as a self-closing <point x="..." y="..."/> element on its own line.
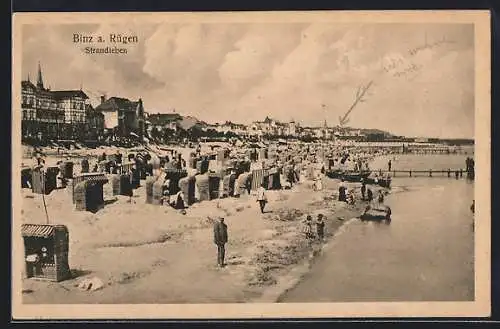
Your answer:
<point x="382" y="182"/>
<point x="334" y="174"/>
<point x="355" y="176"/>
<point x="348" y="176"/>
<point x="380" y="213"/>
<point x="385" y="182"/>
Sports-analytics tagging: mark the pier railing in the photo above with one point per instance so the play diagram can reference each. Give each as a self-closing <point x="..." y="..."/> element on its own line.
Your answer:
<point x="457" y="173"/>
<point x="417" y="150"/>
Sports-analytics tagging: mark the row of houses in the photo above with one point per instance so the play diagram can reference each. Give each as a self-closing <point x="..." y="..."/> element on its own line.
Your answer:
<point x="175" y="122"/>
<point x="68" y="114"/>
<point x="59" y="114"/>
<point x="272" y="127"/>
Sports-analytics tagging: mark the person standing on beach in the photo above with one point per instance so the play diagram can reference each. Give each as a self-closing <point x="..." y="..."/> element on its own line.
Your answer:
<point x="85" y="166"/>
<point x="380" y="197"/>
<point x="179" y="161"/>
<point x="261" y="197"/>
<point x="155" y="164"/>
<point x="318" y="184"/>
<point x="38" y="162"/>
<point x="307" y="229"/>
<point x="118" y="157"/>
<point x="389" y="165"/>
<point x="320" y="228"/>
<point x="370" y="195"/>
<point x="220" y="239"/>
<point x="363" y="189"/>
<point x="350" y="198"/>
<point x="289" y="176"/>
<point x="342" y="191"/>
<point x="131" y="180"/>
<point x="248" y="185"/>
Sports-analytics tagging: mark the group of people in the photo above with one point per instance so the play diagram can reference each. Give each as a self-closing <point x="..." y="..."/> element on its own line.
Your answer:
<point x="38" y="164"/>
<point x="347" y="161"/>
<point x="314" y="230"/>
<point x="347" y="196"/>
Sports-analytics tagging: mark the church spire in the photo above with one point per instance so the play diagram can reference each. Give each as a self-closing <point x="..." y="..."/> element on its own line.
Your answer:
<point x="39" y="82"/>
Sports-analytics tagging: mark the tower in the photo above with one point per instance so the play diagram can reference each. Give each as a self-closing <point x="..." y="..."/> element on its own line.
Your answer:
<point x="39" y="81"/>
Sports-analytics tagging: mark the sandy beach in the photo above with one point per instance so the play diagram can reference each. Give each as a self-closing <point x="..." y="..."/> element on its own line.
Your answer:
<point x="154" y="254"/>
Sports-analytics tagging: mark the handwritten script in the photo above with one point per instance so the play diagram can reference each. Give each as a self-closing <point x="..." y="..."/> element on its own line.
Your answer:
<point x="403" y="67"/>
<point x="411" y="68"/>
<point x="399" y="67"/>
<point x="431" y="45"/>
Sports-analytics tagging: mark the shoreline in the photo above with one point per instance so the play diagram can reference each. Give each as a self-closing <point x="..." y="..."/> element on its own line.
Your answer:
<point x="297" y="273"/>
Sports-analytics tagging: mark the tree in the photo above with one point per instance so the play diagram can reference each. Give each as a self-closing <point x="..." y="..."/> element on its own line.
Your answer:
<point x="211" y="133"/>
<point x="195" y="132"/>
<point x="168" y="134"/>
<point x="230" y="134"/>
<point x="155" y="133"/>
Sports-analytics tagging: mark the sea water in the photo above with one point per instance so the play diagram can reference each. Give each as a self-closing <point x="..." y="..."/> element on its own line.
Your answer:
<point x="426" y="253"/>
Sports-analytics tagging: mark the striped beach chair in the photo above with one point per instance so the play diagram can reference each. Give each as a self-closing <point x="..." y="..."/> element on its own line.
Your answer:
<point x="257" y="178"/>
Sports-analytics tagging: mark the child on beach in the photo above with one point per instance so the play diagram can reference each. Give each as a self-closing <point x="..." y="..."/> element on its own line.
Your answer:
<point x="178" y="202"/>
<point x="363" y="189"/>
<point x="342" y="191"/>
<point x="369" y="195"/>
<point x="350" y="198"/>
<point x="320" y="227"/>
<point x="380" y="197"/>
<point x="318" y="183"/>
<point x="307" y="229"/>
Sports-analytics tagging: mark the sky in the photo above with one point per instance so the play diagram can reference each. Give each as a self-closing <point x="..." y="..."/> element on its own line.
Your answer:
<point x="422" y="75"/>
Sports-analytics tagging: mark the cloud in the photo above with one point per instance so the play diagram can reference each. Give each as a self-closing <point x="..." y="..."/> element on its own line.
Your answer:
<point x="423" y="74"/>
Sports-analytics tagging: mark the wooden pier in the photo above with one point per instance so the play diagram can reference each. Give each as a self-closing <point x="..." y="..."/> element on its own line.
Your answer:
<point x="417" y="149"/>
<point x="425" y="151"/>
<point x="456" y="173"/>
<point x="452" y="173"/>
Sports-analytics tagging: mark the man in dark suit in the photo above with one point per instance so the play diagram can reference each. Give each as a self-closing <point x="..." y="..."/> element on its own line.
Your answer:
<point x="220" y="239"/>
